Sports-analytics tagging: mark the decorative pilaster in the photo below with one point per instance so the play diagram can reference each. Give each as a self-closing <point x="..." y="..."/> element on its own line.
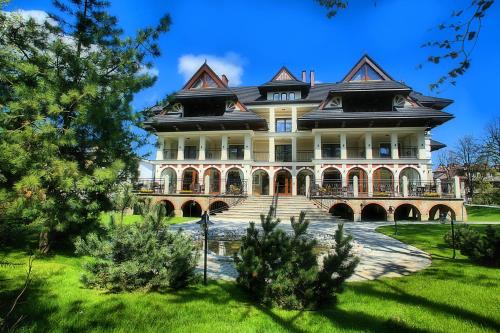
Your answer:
<point x="394" y="146"/>
<point x="317" y="146"/>
<point x="202" y="146"/>
<point x="368" y="146"/>
<point x="343" y="146"/>
<point x="224" y="148"/>
<point x="180" y="148"/>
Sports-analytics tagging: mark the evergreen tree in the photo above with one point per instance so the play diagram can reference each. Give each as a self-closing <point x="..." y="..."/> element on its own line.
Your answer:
<point x="66" y="123"/>
<point x="282" y="270"/>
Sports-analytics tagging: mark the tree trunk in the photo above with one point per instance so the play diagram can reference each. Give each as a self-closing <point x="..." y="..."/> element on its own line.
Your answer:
<point x="43" y="242"/>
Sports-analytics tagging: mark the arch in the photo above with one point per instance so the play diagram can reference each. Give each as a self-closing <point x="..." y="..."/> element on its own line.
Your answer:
<point x="413" y="178"/>
<point x="190" y="180"/>
<point x="218" y="207"/>
<point x="301" y="180"/>
<point x="383" y="181"/>
<point x="373" y="212"/>
<point x="362" y="179"/>
<point x="407" y="212"/>
<point x="235" y="181"/>
<point x="260" y="182"/>
<point x="437" y="211"/>
<point x="169" y="207"/>
<point x="191" y="208"/>
<point x="214" y="184"/>
<point x="332" y="181"/>
<point x="283" y="182"/>
<point x="172" y="176"/>
<point x="342" y="212"/>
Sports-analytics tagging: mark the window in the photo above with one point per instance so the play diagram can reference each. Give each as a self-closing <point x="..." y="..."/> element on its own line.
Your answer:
<point x="276" y="96"/>
<point x="385" y="150"/>
<point x="236" y="152"/>
<point x="190" y="152"/>
<point x="366" y="73"/>
<point x="283" y="153"/>
<point x="283" y="125"/>
<point x="291" y="96"/>
<point x="283" y="96"/>
<point x="330" y="150"/>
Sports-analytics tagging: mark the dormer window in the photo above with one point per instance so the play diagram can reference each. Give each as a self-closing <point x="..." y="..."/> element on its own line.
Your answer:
<point x="276" y="96"/>
<point x="291" y="96"/>
<point x="284" y="96"/>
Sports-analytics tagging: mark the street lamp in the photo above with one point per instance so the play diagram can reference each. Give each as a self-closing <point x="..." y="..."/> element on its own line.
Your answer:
<point x="204" y="223"/>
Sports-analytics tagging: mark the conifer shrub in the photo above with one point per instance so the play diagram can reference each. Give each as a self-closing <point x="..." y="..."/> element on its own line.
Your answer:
<point x="142" y="255"/>
<point x="481" y="248"/>
<point x="282" y="270"/>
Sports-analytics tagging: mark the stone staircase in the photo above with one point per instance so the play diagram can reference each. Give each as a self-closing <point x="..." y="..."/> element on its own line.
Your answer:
<point x="288" y="206"/>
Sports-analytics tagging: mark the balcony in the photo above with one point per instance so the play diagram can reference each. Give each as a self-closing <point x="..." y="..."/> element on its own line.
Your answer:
<point x="283" y="156"/>
<point x="213" y="154"/>
<point x="170" y="154"/>
<point x="356" y="152"/>
<point x="408" y="152"/>
<point x="261" y="156"/>
<point x="305" y="155"/>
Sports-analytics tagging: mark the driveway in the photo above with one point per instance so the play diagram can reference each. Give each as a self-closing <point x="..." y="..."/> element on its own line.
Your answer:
<point x="380" y="255"/>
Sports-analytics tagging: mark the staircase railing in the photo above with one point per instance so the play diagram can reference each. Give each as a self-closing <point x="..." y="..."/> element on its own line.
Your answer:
<point x="274" y="202"/>
<point x="230" y="197"/>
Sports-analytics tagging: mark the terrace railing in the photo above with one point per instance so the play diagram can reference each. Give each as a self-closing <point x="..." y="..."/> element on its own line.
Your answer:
<point x="148" y="186"/>
<point x="305" y="155"/>
<point x="170" y="154"/>
<point x="213" y="154"/>
<point x="261" y="156"/>
<point x="408" y="152"/>
<point x="356" y="152"/>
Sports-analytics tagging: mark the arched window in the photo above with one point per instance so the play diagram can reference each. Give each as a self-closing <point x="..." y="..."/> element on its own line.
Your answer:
<point x="283" y="96"/>
<point x="276" y="96"/>
<point x="291" y="96"/>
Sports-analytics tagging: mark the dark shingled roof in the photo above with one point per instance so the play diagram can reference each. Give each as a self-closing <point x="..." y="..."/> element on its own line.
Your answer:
<point x="354" y="86"/>
<point x="203" y="93"/>
<point x="430" y="101"/>
<point x="418" y="116"/>
<point x="230" y="120"/>
<point x="436" y="145"/>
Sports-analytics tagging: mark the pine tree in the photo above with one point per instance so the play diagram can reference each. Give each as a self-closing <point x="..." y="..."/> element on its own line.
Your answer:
<point x="66" y="123"/>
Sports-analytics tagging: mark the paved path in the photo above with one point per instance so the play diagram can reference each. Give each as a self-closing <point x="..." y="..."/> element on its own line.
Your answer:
<point x="381" y="256"/>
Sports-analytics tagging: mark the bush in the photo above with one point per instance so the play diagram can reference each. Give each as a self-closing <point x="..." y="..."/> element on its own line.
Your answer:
<point x="142" y="255"/>
<point x="282" y="270"/>
<point x="483" y="249"/>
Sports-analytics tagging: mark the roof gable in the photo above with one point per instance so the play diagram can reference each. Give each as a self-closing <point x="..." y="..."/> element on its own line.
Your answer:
<point x="204" y="78"/>
<point x="366" y="69"/>
<point x="284" y="75"/>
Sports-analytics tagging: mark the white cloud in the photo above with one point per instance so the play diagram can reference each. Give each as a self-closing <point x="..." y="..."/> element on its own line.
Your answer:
<point x="153" y="71"/>
<point x="39" y="16"/>
<point x="231" y="64"/>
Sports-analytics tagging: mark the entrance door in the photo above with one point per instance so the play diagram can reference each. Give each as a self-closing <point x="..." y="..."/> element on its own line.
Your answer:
<point x="283" y="183"/>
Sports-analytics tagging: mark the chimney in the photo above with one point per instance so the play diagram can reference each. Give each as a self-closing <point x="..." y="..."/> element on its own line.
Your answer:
<point x="225" y="80"/>
<point x="311" y="79"/>
<point x="304" y="76"/>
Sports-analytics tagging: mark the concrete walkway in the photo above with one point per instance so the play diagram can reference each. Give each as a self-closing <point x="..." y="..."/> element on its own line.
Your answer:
<point x="380" y="255"/>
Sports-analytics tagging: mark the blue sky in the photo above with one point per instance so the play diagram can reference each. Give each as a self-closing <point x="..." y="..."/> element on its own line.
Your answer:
<point x="251" y="40"/>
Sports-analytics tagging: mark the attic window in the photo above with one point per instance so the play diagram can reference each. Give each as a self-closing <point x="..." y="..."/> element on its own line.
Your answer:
<point x="204" y="81"/>
<point x="366" y="73"/>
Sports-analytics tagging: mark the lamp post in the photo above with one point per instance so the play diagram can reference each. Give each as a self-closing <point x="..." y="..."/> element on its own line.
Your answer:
<point x="443" y="217"/>
<point x="204" y="223"/>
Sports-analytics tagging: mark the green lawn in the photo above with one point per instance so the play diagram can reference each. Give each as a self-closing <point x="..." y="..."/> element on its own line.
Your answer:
<point x="450" y="296"/>
<point x="129" y="219"/>
<point x="483" y="214"/>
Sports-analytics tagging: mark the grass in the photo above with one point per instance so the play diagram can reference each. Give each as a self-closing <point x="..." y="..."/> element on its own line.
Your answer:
<point x="130" y="219"/>
<point x="483" y="214"/>
<point x="451" y="295"/>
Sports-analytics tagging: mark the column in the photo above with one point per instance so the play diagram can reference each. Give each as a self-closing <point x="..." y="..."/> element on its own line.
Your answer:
<point x="271" y="150"/>
<point x="394" y="146"/>
<point x="180" y="148"/>
<point x="294" y="185"/>
<point x="224" y="147"/>
<point x="343" y="146"/>
<point x="202" y="146"/>
<point x="294" y="119"/>
<point x="370" y="184"/>
<point x="248" y="147"/>
<point x="317" y="146"/>
<point x="355" y="186"/>
<point x="421" y="145"/>
<point x="271" y="180"/>
<point x="405" y="186"/>
<point x="294" y="149"/>
<point x="206" y="184"/>
<point x="272" y="120"/>
<point x="368" y="146"/>
<point x="160" y="148"/>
